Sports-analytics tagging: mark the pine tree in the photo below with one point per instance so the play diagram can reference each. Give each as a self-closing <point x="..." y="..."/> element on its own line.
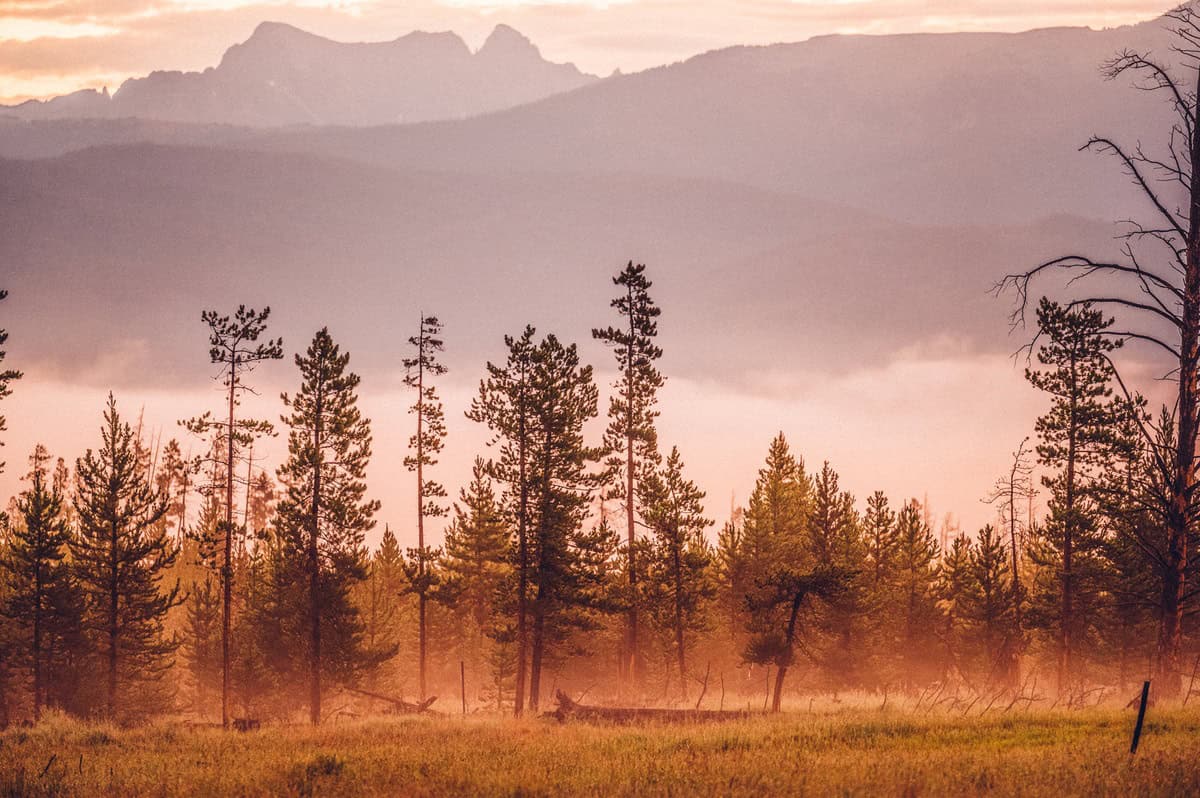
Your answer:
<point x="41" y="596"/>
<point x="563" y="397"/>
<point x="235" y="347"/>
<point x="918" y="555"/>
<point x="505" y="405"/>
<point x="120" y="555"/>
<point x="477" y="559"/>
<point x="989" y="608"/>
<point x="630" y="438"/>
<point x="7" y="377"/>
<point x="202" y="644"/>
<point x="954" y="588"/>
<point x="1075" y="436"/>
<point x="425" y="445"/>
<point x="680" y="559"/>
<point x="324" y="514"/>
<point x="835" y="539"/>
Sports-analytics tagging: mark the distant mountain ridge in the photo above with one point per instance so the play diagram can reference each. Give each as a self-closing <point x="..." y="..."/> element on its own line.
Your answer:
<point x="282" y="76"/>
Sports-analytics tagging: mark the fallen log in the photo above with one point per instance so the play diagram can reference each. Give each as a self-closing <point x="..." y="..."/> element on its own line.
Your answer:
<point x="399" y="705"/>
<point x="572" y="710"/>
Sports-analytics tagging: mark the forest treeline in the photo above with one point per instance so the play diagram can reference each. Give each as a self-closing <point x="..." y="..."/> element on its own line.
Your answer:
<point x="136" y="580"/>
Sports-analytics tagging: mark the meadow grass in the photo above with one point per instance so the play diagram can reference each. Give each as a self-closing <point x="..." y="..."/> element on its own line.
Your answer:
<point x="847" y="752"/>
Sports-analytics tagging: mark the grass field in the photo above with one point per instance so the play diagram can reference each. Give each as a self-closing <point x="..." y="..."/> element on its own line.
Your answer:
<point x="845" y="752"/>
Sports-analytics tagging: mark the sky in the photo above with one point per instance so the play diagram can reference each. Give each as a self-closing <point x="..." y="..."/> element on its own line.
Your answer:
<point x="50" y="47"/>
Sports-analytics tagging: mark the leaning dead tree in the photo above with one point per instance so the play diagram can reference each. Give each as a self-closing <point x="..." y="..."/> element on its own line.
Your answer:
<point x="572" y="710"/>
<point x="1155" y="287"/>
<point x="398" y="705"/>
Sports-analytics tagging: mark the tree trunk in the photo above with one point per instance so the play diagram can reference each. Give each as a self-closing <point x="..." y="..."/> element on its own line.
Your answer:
<point x="38" y="688"/>
<point x="314" y="565"/>
<point x="1169" y="679"/>
<point x="785" y="660"/>
<point x="677" y="565"/>
<point x="114" y="627"/>
<point x="632" y="654"/>
<point x="522" y="554"/>
<point x="421" y="642"/>
<point x="227" y="568"/>
<point x="1068" y="584"/>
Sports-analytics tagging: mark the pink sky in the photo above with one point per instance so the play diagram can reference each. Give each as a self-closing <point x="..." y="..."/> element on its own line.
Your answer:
<point x="55" y="46"/>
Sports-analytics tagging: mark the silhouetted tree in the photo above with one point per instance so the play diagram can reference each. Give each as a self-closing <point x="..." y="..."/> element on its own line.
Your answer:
<point x="1161" y="303"/>
<point x="425" y="444"/>
<point x="41" y="598"/>
<point x="504" y="404"/>
<point x="324" y="514"/>
<point x="119" y="556"/>
<point x="680" y="559"/>
<point x="235" y="347"/>
<point x="630" y="438"/>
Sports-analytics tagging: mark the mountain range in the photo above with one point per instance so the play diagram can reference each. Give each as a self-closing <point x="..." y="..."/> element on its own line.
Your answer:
<point x="282" y="75"/>
<point x="827" y="203"/>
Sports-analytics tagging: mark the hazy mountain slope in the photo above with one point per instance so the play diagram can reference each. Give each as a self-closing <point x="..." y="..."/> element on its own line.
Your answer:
<point x="948" y="128"/>
<point x="111" y="252"/>
<point x="282" y="75"/>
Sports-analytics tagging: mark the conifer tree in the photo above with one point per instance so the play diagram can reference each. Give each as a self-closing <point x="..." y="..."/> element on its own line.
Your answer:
<point x="235" y="347"/>
<point x="324" y="514"/>
<point x="505" y="405"/>
<point x="7" y="377"/>
<point x="563" y="397"/>
<point x="1075" y="436"/>
<point x="954" y="589"/>
<point x="120" y="555"/>
<point x="989" y="609"/>
<point x="918" y="555"/>
<point x="680" y="559"/>
<point x="835" y="538"/>
<point x="630" y="438"/>
<point x="477" y="559"/>
<point x="40" y="600"/>
<point x="425" y="444"/>
<point x="202" y="644"/>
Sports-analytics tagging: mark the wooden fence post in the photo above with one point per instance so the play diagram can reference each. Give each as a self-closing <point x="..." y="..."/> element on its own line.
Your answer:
<point x="1137" y="730"/>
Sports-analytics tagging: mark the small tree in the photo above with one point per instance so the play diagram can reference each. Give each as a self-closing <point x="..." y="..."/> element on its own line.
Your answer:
<point x="120" y="556"/>
<point x="41" y="600"/>
<point x="680" y="559"/>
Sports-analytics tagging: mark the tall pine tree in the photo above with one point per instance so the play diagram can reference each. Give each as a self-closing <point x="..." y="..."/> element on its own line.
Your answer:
<point x="324" y="513"/>
<point x="7" y="377"/>
<point x="630" y="438"/>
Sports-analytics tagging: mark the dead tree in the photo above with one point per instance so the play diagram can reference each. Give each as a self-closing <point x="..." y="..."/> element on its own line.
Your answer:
<point x="1014" y="486"/>
<point x="572" y="710"/>
<point x="1156" y="287"/>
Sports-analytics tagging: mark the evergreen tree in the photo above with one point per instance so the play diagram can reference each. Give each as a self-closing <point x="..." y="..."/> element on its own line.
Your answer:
<point x="202" y="644"/>
<point x="918" y="555"/>
<point x="324" y="513"/>
<point x="1075" y="435"/>
<point x="41" y="598"/>
<point x="630" y="438"/>
<point x="477" y="560"/>
<point x="680" y="559"/>
<point x="505" y="405"/>
<point x="563" y="398"/>
<point x="989" y="609"/>
<point x="7" y="377"/>
<point x="235" y="347"/>
<point x="120" y="555"/>
<point x="955" y="587"/>
<point x="835" y="540"/>
<point x="425" y="445"/>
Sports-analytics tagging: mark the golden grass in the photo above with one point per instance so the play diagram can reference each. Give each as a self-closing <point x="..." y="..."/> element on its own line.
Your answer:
<point x="852" y="752"/>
